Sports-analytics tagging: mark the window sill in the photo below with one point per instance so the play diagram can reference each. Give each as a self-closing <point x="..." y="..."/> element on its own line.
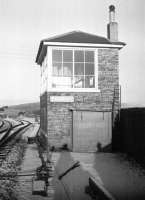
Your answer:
<point x="73" y="90"/>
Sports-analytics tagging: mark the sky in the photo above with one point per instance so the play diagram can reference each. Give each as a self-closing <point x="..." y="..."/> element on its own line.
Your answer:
<point x="23" y="23"/>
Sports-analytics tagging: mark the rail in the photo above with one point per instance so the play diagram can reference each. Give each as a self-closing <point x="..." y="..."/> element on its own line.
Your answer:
<point x="8" y="138"/>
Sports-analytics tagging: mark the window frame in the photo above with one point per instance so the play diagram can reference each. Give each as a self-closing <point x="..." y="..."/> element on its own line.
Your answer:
<point x="50" y="72"/>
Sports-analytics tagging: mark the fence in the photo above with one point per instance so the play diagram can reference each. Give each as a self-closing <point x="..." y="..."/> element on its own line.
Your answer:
<point x="129" y="132"/>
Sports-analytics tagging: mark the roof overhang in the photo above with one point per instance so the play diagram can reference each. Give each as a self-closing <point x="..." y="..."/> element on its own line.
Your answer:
<point x="119" y="46"/>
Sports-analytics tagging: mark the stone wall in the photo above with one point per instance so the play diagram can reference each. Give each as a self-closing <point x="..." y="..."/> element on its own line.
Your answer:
<point x="59" y="115"/>
<point x="108" y="78"/>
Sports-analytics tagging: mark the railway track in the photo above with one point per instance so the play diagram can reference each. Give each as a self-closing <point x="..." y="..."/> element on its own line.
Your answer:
<point x="1" y="124"/>
<point x="9" y="133"/>
<point x="5" y="126"/>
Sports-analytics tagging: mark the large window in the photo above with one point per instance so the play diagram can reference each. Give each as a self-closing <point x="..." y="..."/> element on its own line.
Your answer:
<point x="73" y="68"/>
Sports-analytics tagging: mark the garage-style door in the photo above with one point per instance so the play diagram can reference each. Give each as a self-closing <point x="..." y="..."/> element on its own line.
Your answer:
<point x="92" y="131"/>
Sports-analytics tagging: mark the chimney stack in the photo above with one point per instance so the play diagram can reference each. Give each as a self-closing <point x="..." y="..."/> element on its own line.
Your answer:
<point x="112" y="27"/>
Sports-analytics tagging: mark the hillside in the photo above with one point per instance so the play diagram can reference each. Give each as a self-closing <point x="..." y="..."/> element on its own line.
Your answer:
<point x="27" y="108"/>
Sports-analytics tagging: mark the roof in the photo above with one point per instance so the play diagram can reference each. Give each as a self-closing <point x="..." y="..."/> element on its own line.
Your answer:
<point x="78" y="37"/>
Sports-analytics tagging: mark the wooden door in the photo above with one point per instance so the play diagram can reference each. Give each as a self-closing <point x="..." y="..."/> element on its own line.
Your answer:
<point x="92" y="131"/>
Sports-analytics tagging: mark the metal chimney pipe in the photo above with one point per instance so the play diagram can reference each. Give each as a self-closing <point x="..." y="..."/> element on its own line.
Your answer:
<point x="111" y="13"/>
<point x="112" y="27"/>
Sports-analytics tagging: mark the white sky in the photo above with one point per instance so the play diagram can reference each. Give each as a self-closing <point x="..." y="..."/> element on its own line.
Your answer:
<point x="23" y="23"/>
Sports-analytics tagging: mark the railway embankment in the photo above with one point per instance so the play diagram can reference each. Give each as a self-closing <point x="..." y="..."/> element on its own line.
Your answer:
<point x="11" y="157"/>
<point x="11" y="164"/>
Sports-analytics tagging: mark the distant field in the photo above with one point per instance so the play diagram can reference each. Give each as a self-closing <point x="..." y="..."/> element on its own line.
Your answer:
<point x="28" y="109"/>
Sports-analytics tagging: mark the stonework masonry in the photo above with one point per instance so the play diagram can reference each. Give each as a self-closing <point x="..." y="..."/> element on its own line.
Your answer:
<point x="57" y="117"/>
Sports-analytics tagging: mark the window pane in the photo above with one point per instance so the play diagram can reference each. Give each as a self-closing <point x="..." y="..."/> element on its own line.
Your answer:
<point x="79" y="56"/>
<point x="56" y="55"/>
<point x="57" y="69"/>
<point x="79" y="69"/>
<point x="67" y="69"/>
<point x="79" y="81"/>
<point x="62" y="82"/>
<point x="67" y="56"/>
<point x="63" y="74"/>
<point x="89" y="82"/>
<point x="89" y="56"/>
<point x="89" y="69"/>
